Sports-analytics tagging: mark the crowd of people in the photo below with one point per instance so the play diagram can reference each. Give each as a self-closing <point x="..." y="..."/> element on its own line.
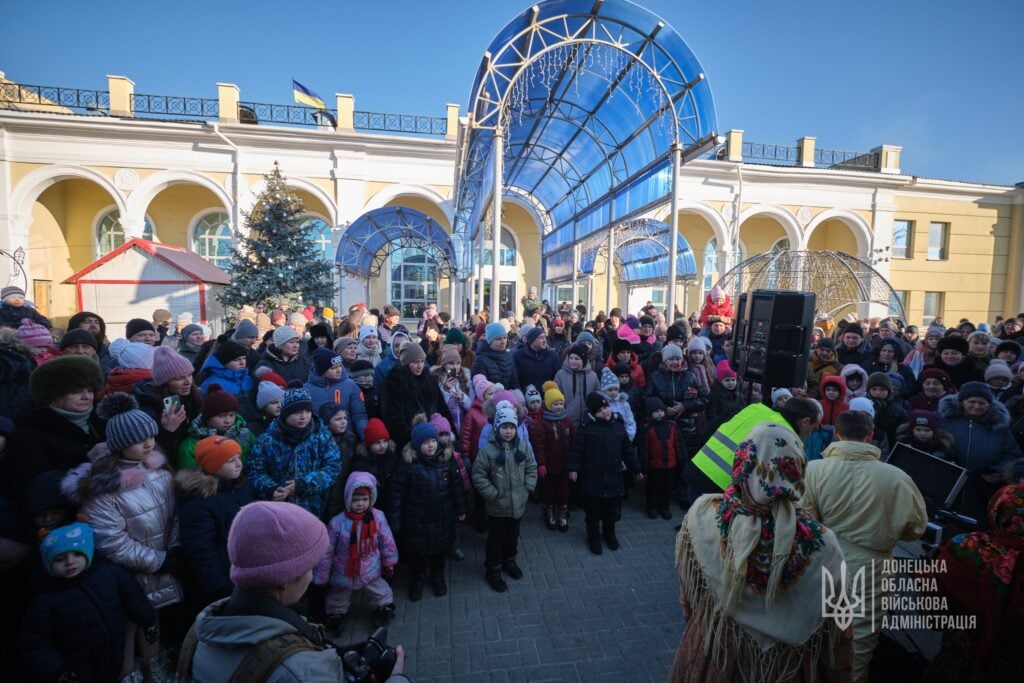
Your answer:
<point x="142" y="474"/>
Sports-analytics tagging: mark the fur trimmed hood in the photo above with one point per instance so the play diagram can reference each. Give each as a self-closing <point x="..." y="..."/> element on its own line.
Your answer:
<point x="127" y="475"/>
<point x="195" y="482"/>
<point x="410" y="456"/>
<point x="997" y="417"/>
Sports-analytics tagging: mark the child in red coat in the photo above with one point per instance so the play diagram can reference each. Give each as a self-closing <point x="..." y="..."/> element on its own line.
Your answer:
<point x="551" y="437"/>
<point x="717" y="303"/>
<point x="833" y="399"/>
<point x="661" y="449"/>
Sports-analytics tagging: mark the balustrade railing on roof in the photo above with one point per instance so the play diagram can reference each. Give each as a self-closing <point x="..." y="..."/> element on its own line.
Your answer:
<point x="761" y="151"/>
<point x="51" y="98"/>
<point x="789" y="155"/>
<point x="833" y="158"/>
<point x="288" y="114"/>
<point x="161" y="106"/>
<point x="400" y="123"/>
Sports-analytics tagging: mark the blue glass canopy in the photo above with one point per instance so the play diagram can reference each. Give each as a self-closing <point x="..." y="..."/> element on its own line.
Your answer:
<point x="369" y="241"/>
<point x="590" y="98"/>
<point x="641" y="250"/>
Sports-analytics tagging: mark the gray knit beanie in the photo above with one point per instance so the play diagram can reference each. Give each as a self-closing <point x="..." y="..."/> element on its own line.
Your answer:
<point x="126" y="424"/>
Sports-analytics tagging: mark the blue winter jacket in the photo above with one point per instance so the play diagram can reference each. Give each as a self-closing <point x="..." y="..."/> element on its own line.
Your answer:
<point x="344" y="391"/>
<point x="982" y="444"/>
<point x="238" y="383"/>
<point x="314" y="464"/>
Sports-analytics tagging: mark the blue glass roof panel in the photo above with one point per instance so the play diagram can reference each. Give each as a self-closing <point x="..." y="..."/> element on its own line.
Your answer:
<point x="360" y="247"/>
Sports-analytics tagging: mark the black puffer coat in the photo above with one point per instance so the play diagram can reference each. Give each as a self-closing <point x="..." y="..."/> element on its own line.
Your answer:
<point x="497" y="367"/>
<point x="535" y="367"/>
<point x="46" y="441"/>
<point x="206" y="507"/>
<point x="151" y="402"/>
<point x="295" y="369"/>
<point x="15" y="369"/>
<point x="425" y="497"/>
<point x="965" y="371"/>
<point x="405" y="396"/>
<point x="598" y="452"/>
<point x="77" y="624"/>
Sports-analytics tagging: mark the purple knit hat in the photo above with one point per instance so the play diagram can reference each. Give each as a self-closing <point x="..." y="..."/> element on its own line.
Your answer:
<point x="440" y="423"/>
<point x="33" y="334"/>
<point x="169" y="364"/>
<point x="274" y="543"/>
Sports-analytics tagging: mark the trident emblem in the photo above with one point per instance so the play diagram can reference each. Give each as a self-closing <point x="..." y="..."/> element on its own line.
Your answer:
<point x="845" y="603"/>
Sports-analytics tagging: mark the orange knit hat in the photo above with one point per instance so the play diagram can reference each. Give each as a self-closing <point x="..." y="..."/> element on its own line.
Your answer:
<point x="213" y="451"/>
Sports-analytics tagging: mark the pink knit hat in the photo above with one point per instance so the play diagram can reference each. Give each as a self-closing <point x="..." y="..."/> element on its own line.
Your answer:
<point x="627" y="333"/>
<point x="440" y="423"/>
<point x="31" y="334"/>
<point x="274" y="543"/>
<point x="169" y="364"/>
<point x="480" y="385"/>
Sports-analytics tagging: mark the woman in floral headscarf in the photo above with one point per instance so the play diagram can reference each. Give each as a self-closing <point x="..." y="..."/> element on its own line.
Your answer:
<point x="750" y="570"/>
<point x="985" y="577"/>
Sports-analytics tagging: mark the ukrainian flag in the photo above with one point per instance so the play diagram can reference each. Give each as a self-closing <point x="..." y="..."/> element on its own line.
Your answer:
<point x="304" y="95"/>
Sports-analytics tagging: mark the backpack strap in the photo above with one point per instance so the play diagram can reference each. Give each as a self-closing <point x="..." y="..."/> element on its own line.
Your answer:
<point x="186" y="654"/>
<point x="262" y="660"/>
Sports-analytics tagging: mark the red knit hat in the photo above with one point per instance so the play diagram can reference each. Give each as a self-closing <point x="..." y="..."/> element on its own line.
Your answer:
<point x="217" y="402"/>
<point x="265" y="374"/>
<point x="212" y="452"/>
<point x="375" y="431"/>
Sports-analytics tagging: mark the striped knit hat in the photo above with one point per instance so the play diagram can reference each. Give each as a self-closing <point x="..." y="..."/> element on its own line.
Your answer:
<point x="126" y="424"/>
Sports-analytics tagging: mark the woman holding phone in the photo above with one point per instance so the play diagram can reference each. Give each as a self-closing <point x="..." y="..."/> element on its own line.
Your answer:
<point x="455" y="384"/>
<point x="171" y="398"/>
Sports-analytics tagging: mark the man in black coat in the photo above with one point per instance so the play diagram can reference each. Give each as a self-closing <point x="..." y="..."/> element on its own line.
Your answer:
<point x="853" y="350"/>
<point x="493" y="360"/>
<point x="535" y="363"/>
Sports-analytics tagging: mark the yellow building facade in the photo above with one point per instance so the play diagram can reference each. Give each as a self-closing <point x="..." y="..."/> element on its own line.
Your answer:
<point x="76" y="182"/>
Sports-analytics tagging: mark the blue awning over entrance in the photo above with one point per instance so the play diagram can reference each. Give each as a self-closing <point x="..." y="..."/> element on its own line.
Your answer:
<point x="370" y="240"/>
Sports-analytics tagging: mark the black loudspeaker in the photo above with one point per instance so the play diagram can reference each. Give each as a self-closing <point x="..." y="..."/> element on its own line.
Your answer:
<point x="772" y="337"/>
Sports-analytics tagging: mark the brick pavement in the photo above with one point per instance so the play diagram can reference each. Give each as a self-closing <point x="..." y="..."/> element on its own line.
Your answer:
<point x="574" y="616"/>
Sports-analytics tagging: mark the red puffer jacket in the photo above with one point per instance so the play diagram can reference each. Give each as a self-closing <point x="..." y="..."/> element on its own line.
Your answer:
<point x="551" y="437"/>
<point x="472" y="424"/>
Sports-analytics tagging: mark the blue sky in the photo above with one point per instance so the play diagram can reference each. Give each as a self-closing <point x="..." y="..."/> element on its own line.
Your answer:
<point x="940" y="77"/>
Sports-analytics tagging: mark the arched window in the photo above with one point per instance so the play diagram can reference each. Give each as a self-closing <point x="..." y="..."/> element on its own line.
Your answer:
<point x="110" y="235"/>
<point x="413" y="281"/>
<point x="711" y="274"/>
<point x="773" y="269"/>
<point x="211" y="239"/>
<point x="506" y="253"/>
<point x="320" y="231"/>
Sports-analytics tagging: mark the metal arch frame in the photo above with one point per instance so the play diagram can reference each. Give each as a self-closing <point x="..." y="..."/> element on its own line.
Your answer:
<point x="870" y="286"/>
<point x="486" y="109"/>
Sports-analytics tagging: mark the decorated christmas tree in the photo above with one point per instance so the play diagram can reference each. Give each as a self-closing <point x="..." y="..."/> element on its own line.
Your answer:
<point x="280" y="259"/>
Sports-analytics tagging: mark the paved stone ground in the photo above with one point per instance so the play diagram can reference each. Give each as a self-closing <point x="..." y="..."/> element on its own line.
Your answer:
<point x="574" y="616"/>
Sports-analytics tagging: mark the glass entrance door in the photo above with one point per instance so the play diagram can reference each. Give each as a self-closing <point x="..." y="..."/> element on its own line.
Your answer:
<point x="506" y="298"/>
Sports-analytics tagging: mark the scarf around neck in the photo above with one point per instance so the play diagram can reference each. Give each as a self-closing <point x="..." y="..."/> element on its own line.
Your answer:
<point x="80" y="420"/>
<point x="362" y="542"/>
<point x="293" y="436"/>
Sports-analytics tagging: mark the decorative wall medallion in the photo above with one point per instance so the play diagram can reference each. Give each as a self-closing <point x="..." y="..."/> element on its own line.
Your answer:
<point x="243" y="185"/>
<point x="126" y="180"/>
<point x="803" y="214"/>
<point x="728" y="211"/>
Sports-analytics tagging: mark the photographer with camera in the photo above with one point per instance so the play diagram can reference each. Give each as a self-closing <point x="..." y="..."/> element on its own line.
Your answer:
<point x="254" y="635"/>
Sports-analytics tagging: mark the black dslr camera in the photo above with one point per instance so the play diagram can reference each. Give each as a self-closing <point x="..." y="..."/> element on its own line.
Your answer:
<point x="373" y="657"/>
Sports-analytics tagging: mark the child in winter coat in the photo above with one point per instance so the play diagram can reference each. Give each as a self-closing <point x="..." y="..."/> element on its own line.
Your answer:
<point x="576" y="380"/>
<point x="888" y="414"/>
<point x="631" y="391"/>
<point x="598" y="452"/>
<point x="38" y="341"/>
<point x="268" y="401"/>
<point x="446" y="443"/>
<point x="534" y="405"/>
<point x="505" y="474"/>
<point x="699" y="363"/>
<point x="425" y="500"/>
<point x="128" y="497"/>
<point x="219" y="417"/>
<point x="921" y="431"/>
<point x="368" y="348"/>
<point x="329" y="383"/>
<point x="622" y="352"/>
<point x="856" y="382"/>
<point x="833" y="399"/>
<point x="661" y="450"/>
<point x="361" y="372"/>
<point x="74" y="627"/>
<point x="361" y="555"/>
<point x="225" y="368"/>
<point x="296" y="460"/>
<point x="474" y="420"/>
<point x="336" y="418"/>
<point x="378" y="455"/>
<point x="210" y="496"/>
<point x="134" y="365"/>
<point x="725" y="400"/>
<point x="618" y="401"/>
<point x="14" y="310"/>
<point x="551" y="437"/>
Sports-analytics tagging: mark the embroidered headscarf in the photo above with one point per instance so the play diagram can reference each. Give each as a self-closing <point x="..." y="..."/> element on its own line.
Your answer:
<point x="985" y="574"/>
<point x="766" y="540"/>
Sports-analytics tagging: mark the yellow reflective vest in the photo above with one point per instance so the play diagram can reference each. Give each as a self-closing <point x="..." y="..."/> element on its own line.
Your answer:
<point x="715" y="458"/>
